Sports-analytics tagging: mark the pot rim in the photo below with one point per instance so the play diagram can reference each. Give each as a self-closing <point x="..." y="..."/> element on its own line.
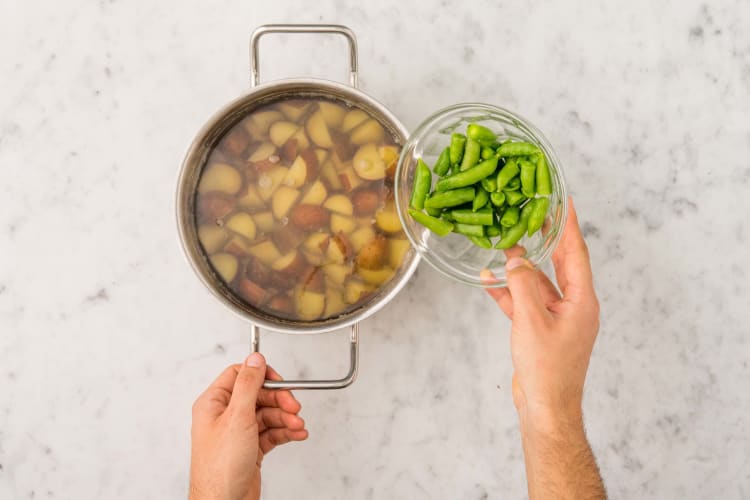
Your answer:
<point x="194" y="159"/>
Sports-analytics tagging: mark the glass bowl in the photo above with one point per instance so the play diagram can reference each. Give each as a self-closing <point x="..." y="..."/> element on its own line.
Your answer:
<point x="454" y="255"/>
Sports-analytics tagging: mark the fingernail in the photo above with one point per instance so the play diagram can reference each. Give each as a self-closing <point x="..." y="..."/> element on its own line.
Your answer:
<point x="515" y="262"/>
<point x="255" y="360"/>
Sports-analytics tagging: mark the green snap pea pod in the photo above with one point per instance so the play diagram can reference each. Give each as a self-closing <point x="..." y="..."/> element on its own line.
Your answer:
<point x="509" y="171"/>
<point x="433" y="212"/>
<point x="482" y="217"/>
<point x="481" y="133"/>
<point x="513" y="185"/>
<point x="510" y="217"/>
<point x="468" y="177"/>
<point x="543" y="181"/>
<point x="481" y="241"/>
<point x="437" y="226"/>
<point x="511" y="235"/>
<point x="422" y="183"/>
<point x="514" y="197"/>
<point x="451" y="198"/>
<point x="468" y="229"/>
<point x="489" y="184"/>
<point x="528" y="178"/>
<point x="457" y="148"/>
<point x="471" y="154"/>
<point x="481" y="198"/>
<point x="487" y="153"/>
<point x="517" y="149"/>
<point x="538" y="213"/>
<point x="493" y="230"/>
<point x="443" y="162"/>
<point x="497" y="198"/>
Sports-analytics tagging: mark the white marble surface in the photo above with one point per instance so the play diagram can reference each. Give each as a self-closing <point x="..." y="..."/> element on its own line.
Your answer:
<point x="106" y="335"/>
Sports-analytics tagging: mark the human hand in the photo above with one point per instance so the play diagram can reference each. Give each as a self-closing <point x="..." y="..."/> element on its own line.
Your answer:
<point x="552" y="335"/>
<point x="235" y="424"/>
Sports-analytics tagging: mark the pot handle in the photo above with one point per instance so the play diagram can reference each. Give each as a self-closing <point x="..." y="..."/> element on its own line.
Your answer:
<point x="302" y="28"/>
<point x="314" y="384"/>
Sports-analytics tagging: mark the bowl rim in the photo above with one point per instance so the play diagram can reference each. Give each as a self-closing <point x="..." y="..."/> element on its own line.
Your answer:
<point x="538" y="138"/>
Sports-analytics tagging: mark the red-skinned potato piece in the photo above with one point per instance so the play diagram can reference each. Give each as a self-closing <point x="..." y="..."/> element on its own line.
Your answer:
<point x="252" y="292"/>
<point x="365" y="201"/>
<point x="287" y="238"/>
<point x="372" y="255"/>
<point x="259" y="273"/>
<point x="342" y="147"/>
<point x="213" y="206"/>
<point x="281" y="303"/>
<point x="313" y="279"/>
<point x="309" y="217"/>
<point x="235" y="142"/>
<point x="345" y="246"/>
<point x="290" y="264"/>
<point x="290" y="150"/>
<point x="313" y="167"/>
<point x="266" y="165"/>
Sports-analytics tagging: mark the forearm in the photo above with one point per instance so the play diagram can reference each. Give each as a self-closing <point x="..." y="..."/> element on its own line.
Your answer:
<point x="559" y="460"/>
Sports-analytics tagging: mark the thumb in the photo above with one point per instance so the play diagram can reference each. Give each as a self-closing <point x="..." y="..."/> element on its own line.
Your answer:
<point x="249" y="381"/>
<point x="523" y="283"/>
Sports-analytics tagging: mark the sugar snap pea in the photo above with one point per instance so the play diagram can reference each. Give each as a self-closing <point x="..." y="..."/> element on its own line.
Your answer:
<point x="422" y="184"/>
<point x="489" y="184"/>
<point x="528" y="178"/>
<point x="437" y="226"/>
<point x="481" y="241"/>
<point x="482" y="217"/>
<point x="480" y="199"/>
<point x="468" y="177"/>
<point x="509" y="171"/>
<point x="538" y="213"/>
<point x="450" y="198"/>
<point x="513" y="185"/>
<point x="487" y="189"/>
<point x="497" y="198"/>
<point x="512" y="235"/>
<point x="443" y="162"/>
<point x="543" y="181"/>
<point x="493" y="230"/>
<point x="480" y="133"/>
<point x="516" y="149"/>
<point x="457" y="148"/>
<point x="471" y="154"/>
<point x="510" y="217"/>
<point x="514" y="197"/>
<point x="468" y="229"/>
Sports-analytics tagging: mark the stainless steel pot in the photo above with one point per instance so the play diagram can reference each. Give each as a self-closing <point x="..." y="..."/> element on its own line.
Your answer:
<point x="207" y="139"/>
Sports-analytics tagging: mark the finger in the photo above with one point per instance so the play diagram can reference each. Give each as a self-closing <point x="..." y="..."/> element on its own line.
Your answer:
<point x="549" y="292"/>
<point x="271" y="438"/>
<point x="571" y="261"/>
<point x="249" y="381"/>
<point x="500" y="295"/>
<point x="276" y="418"/>
<point x="283" y="399"/>
<point x="216" y="397"/>
<point x="523" y="283"/>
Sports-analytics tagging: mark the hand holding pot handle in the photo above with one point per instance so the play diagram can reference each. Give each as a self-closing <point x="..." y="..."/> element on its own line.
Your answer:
<point x="236" y="422"/>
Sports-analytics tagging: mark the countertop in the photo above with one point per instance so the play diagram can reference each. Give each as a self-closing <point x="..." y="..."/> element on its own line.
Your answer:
<point x="107" y="335"/>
